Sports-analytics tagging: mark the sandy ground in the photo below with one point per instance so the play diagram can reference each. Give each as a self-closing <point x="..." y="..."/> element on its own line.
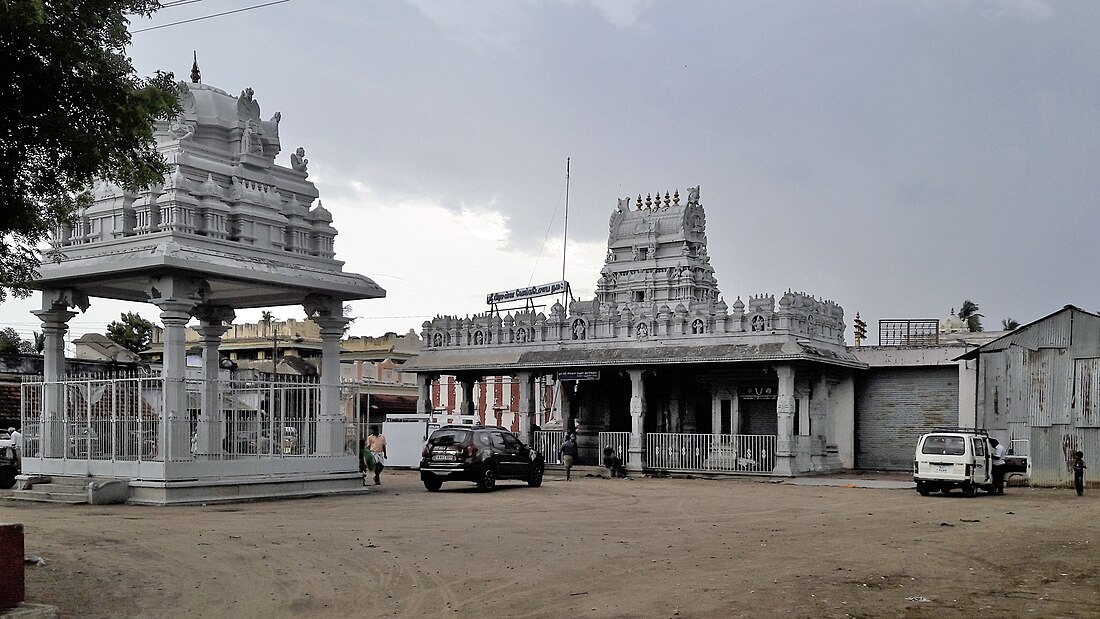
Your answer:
<point x="587" y="548"/>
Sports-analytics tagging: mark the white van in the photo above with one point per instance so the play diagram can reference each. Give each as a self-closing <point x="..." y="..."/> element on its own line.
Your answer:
<point x="960" y="458"/>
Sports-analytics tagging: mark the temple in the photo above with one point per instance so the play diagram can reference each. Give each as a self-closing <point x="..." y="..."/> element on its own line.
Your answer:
<point x="659" y="366"/>
<point x="229" y="228"/>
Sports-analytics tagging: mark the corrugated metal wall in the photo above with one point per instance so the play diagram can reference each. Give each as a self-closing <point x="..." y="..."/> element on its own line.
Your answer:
<point x="894" y="406"/>
<point x="1044" y="383"/>
<point x="1086" y="393"/>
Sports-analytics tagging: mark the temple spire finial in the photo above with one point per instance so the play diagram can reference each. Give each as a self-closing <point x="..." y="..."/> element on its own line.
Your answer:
<point x="195" y="75"/>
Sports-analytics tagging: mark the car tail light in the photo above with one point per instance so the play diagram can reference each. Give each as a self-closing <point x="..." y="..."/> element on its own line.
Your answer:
<point x="470" y="452"/>
<point x="427" y="451"/>
<point x="968" y="470"/>
<point x="916" y="466"/>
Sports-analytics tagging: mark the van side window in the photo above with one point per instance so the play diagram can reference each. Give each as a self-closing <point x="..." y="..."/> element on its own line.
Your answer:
<point x="979" y="447"/>
<point x="944" y="445"/>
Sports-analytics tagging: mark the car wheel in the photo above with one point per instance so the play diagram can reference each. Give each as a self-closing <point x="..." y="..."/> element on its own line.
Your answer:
<point x="536" y="476"/>
<point x="7" y="479"/>
<point x="488" y="479"/>
<point x="922" y="488"/>
<point x="433" y="485"/>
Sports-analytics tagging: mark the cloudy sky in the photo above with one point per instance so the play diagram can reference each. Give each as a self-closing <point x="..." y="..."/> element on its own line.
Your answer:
<point x="895" y="157"/>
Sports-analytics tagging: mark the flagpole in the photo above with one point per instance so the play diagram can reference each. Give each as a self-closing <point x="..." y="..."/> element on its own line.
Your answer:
<point x="565" y="237"/>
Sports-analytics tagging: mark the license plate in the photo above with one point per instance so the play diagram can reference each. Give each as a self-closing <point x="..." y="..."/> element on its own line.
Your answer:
<point x="943" y="468"/>
<point x="442" y="458"/>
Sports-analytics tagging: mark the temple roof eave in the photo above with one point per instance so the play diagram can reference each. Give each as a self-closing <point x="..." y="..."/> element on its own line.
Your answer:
<point x="250" y="279"/>
<point x="514" y="358"/>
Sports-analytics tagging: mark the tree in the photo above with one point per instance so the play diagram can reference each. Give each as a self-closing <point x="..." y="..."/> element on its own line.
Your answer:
<point x="73" y="111"/>
<point x="12" y="344"/>
<point x="348" y="309"/>
<point x="968" y="313"/>
<point x="133" y="332"/>
<point x="1009" y="324"/>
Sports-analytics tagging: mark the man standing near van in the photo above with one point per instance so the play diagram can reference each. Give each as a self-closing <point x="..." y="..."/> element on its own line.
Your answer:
<point x="998" y="466"/>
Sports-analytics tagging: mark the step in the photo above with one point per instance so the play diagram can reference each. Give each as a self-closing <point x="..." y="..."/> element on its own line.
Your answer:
<point x="55" y="495"/>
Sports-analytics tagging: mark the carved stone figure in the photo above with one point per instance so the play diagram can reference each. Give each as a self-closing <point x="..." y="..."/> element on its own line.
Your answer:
<point x="246" y="137"/>
<point x="182" y="130"/>
<point x="247" y="107"/>
<point x="693" y="196"/>
<point x="579" y="331"/>
<point x="298" y="160"/>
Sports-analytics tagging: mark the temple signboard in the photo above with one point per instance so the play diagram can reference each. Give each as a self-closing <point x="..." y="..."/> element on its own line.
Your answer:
<point x="529" y="292"/>
<point x="579" y="375"/>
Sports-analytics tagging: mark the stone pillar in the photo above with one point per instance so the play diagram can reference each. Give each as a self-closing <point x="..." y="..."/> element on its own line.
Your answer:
<point x="689" y="416"/>
<point x="466" y="387"/>
<point x="675" y="419"/>
<point x="568" y="420"/>
<point x="176" y="297"/>
<point x="327" y="314"/>
<point x="844" y="421"/>
<point x="424" y="393"/>
<point x="819" y="413"/>
<point x="526" y="405"/>
<point x="784" y="410"/>
<point x="55" y="316"/>
<point x="210" y="429"/>
<point x="635" y="453"/>
<point x="174" y="316"/>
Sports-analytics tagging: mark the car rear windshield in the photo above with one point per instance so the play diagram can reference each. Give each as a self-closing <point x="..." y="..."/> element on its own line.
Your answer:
<point x="944" y="445"/>
<point x="443" y="438"/>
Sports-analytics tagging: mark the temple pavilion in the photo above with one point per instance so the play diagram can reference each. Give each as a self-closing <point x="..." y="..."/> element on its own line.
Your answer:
<point x="229" y="228"/>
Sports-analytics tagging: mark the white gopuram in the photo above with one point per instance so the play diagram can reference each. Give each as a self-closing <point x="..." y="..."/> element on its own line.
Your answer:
<point x="228" y="229"/>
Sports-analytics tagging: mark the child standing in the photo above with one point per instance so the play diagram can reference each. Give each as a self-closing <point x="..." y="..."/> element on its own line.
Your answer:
<point x="1079" y="472"/>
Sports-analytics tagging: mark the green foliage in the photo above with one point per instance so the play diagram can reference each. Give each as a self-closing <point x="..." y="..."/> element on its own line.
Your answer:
<point x="74" y="111"/>
<point x="133" y="332"/>
<point x="12" y="344"/>
<point x="968" y="313"/>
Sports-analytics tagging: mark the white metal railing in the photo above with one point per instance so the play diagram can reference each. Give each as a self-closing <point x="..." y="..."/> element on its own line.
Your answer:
<point x="617" y="441"/>
<point x="122" y="419"/>
<point x="549" y="443"/>
<point x="733" y="453"/>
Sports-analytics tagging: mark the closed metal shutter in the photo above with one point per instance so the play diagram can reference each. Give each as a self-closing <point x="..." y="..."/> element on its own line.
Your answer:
<point x="894" y="406"/>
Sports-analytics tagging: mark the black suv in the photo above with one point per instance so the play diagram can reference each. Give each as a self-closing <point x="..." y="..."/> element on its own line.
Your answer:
<point x="478" y="454"/>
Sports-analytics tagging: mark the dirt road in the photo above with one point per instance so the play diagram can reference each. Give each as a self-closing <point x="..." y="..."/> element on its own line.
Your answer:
<point x="586" y="548"/>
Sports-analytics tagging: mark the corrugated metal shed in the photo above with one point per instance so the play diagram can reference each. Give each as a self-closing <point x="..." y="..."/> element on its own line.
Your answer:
<point x="1043" y="381"/>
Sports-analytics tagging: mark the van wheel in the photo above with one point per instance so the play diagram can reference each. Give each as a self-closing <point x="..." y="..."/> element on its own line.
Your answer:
<point x="488" y="479"/>
<point x="946" y="490"/>
<point x="7" y="478"/>
<point x="922" y="488"/>
<point x="969" y="489"/>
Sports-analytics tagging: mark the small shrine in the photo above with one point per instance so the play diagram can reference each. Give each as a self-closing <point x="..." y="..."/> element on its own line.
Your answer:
<point x="229" y="228"/>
